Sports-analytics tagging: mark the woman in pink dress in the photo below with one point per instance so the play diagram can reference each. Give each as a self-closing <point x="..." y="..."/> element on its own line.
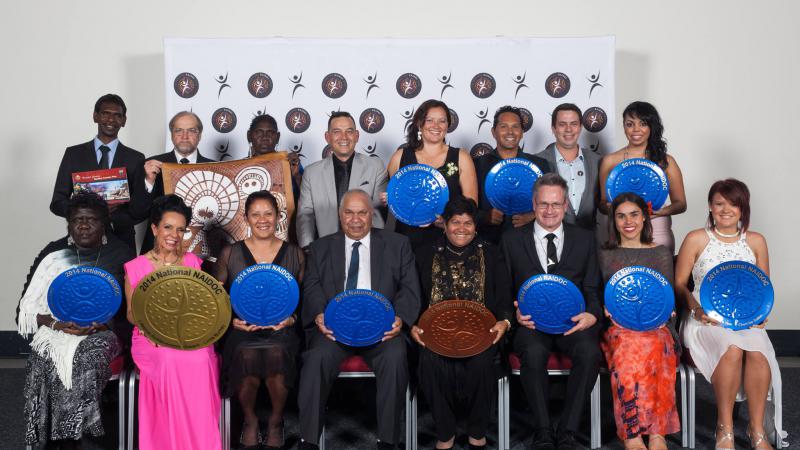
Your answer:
<point x="179" y="400"/>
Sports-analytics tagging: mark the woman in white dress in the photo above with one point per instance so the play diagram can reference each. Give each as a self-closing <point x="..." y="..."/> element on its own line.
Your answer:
<point x="731" y="360"/>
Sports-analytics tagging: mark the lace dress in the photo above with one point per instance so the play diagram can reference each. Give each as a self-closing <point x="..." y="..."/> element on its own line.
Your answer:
<point x="707" y="344"/>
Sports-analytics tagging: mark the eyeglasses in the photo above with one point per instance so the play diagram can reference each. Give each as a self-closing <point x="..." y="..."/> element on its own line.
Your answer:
<point x="191" y="131"/>
<point x="546" y="206"/>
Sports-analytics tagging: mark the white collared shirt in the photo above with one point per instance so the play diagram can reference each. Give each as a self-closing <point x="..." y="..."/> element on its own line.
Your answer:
<point x="574" y="172"/>
<point x="540" y="241"/>
<point x="364" y="271"/>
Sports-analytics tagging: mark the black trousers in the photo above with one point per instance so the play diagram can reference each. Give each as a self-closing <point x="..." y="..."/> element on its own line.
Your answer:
<point x="452" y="385"/>
<point x="321" y="367"/>
<point x="534" y="348"/>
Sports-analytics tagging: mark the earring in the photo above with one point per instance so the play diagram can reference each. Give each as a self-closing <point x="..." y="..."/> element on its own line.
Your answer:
<point x="104" y="241"/>
<point x="70" y="241"/>
<point x="419" y="135"/>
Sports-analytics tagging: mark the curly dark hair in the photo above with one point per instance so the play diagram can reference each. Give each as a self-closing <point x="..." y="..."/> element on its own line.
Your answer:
<point x="412" y="141"/>
<point x="88" y="200"/>
<point x="169" y="203"/>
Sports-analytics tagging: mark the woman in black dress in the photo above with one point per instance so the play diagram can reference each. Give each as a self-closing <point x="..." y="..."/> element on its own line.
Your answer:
<point x="425" y="144"/>
<point x="459" y="266"/>
<point x="252" y="353"/>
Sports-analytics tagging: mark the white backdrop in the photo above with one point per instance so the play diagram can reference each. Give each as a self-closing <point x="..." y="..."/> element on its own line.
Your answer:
<point x="380" y="82"/>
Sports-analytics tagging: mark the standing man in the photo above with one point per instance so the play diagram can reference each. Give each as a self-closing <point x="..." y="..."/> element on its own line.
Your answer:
<point x="549" y="245"/>
<point x="507" y="132"/>
<point x="579" y="167"/>
<point x="104" y="152"/>
<point x="186" y="129"/>
<point x="375" y="259"/>
<point x="326" y="181"/>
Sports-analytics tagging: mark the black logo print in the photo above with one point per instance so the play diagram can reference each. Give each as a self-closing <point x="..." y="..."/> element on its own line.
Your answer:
<point x="298" y="120"/>
<point x="408" y="85"/>
<point x="408" y="115"/>
<point x="334" y="85"/>
<point x="259" y="85"/>
<point x="223" y="120"/>
<point x="445" y="80"/>
<point x="297" y="149"/>
<point x="594" y="80"/>
<point x="186" y="85"/>
<point x="371" y="149"/>
<point x="222" y="149"/>
<point x="482" y="85"/>
<point x="519" y="80"/>
<point x="297" y="81"/>
<point x="483" y="120"/>
<point x="223" y="83"/>
<point x="371" y="81"/>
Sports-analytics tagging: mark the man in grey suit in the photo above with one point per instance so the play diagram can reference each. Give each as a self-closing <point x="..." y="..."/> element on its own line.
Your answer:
<point x="578" y="166"/>
<point x="326" y="181"/>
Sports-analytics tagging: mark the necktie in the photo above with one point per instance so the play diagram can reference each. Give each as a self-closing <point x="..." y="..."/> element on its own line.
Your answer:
<point x="344" y="183"/>
<point x="104" y="157"/>
<point x="552" y="254"/>
<point x="352" y="271"/>
<point x="184" y="161"/>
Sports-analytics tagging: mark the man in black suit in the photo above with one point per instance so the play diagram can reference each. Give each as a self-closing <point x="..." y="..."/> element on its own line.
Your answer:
<point x="549" y="245"/>
<point x="186" y="129"/>
<point x="105" y="152"/>
<point x="386" y="266"/>
<point x="507" y="132"/>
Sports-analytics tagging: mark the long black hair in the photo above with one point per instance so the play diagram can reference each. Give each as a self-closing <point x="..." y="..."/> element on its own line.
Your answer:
<point x="656" y="145"/>
<point x="413" y="141"/>
<point x="646" y="237"/>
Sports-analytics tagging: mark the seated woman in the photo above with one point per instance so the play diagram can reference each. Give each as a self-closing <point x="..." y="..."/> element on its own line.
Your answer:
<point x="642" y="363"/>
<point x="179" y="401"/>
<point x="730" y="360"/>
<point x="253" y="353"/>
<point x="459" y="266"/>
<point x="645" y="132"/>
<point x="69" y="365"/>
<point x="425" y="144"/>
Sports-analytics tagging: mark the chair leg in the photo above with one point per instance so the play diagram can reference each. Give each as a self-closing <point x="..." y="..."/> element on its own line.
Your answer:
<point x="322" y="438"/>
<point x="684" y="418"/>
<point x="501" y="422"/>
<point x="133" y="376"/>
<point x="692" y="409"/>
<point x="122" y="381"/>
<point x="411" y="419"/>
<point x="225" y="423"/>
<point x="595" y="415"/>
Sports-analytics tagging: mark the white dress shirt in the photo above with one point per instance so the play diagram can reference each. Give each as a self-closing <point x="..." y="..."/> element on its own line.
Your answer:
<point x="540" y="240"/>
<point x="364" y="271"/>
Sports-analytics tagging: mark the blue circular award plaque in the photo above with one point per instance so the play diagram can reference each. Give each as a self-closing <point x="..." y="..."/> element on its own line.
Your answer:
<point x="737" y="294"/>
<point x="639" y="298"/>
<point x="551" y="301"/>
<point x="642" y="177"/>
<point x="417" y="193"/>
<point x="84" y="295"/>
<point x="264" y="294"/>
<point x="509" y="185"/>
<point x="359" y="317"/>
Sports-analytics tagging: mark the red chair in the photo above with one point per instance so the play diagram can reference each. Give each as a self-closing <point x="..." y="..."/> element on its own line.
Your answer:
<point x="356" y="367"/>
<point x="557" y="364"/>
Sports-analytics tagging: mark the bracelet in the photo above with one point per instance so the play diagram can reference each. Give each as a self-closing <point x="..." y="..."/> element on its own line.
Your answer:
<point x="693" y="312"/>
<point x="509" y="324"/>
<point x="53" y="323"/>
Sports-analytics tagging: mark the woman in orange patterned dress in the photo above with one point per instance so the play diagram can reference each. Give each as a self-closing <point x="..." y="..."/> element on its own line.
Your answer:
<point x="642" y="363"/>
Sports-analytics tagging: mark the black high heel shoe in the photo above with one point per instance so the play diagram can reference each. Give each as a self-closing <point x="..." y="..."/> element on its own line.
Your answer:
<point x="256" y="446"/>
<point x="272" y="447"/>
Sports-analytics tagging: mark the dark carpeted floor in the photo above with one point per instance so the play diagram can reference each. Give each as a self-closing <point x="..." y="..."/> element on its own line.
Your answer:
<point x="351" y="416"/>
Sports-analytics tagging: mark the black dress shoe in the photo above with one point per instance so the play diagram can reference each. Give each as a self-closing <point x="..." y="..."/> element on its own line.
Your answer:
<point x="477" y="447"/>
<point x="543" y="439"/>
<point x="386" y="446"/>
<point x="566" y="441"/>
<point x="303" y="445"/>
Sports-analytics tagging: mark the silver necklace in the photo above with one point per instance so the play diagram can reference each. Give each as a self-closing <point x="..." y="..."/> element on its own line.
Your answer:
<point x="78" y="252"/>
<point x="731" y="235"/>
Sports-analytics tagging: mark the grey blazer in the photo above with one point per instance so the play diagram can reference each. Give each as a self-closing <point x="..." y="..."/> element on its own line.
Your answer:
<point x="585" y="217"/>
<point x="317" y="209"/>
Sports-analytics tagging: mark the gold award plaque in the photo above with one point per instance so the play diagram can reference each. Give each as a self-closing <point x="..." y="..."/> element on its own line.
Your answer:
<point x="181" y="307"/>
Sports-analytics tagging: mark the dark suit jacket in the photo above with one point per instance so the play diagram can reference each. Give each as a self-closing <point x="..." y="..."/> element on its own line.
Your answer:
<point x="392" y="274"/>
<point x="483" y="165"/>
<point x="158" y="191"/>
<point x="578" y="262"/>
<point x="82" y="158"/>
<point x="586" y="215"/>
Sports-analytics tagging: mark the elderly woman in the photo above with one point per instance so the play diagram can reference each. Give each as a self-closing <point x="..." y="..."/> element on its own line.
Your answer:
<point x="731" y="360"/>
<point x="69" y="364"/>
<point x="179" y="401"/>
<point x="459" y="266"/>
<point x="642" y="363"/>
<point x="644" y="131"/>
<point x="425" y="144"/>
<point x="254" y="353"/>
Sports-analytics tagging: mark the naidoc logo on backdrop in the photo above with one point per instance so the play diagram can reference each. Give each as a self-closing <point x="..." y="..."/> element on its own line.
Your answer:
<point x="371" y="149"/>
<point x="527" y="119"/>
<point x="297" y="82"/>
<point x="259" y="85"/>
<point x="334" y="85"/>
<point x="409" y="116"/>
<point x="408" y="85"/>
<point x="519" y="80"/>
<point x="594" y="119"/>
<point x="223" y="83"/>
<point x="372" y="83"/>
<point x="594" y="80"/>
<point x="480" y="149"/>
<point x="482" y="85"/>
<point x="481" y="115"/>
<point x="224" y="120"/>
<point x="298" y="120"/>
<point x="557" y="85"/>
<point x="186" y="85"/>
<point x="453" y="121"/>
<point x="222" y="149"/>
<point x="326" y="151"/>
<point x="445" y="81"/>
<point x="371" y="120"/>
<point x="297" y="149"/>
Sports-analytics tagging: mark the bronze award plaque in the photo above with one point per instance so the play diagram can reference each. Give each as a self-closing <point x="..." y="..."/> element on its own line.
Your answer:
<point x="181" y="307"/>
<point x="457" y="328"/>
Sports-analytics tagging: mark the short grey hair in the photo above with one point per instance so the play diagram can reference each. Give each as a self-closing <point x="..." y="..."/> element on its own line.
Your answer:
<point x="355" y="191"/>
<point x="186" y="113"/>
<point x="551" y="179"/>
